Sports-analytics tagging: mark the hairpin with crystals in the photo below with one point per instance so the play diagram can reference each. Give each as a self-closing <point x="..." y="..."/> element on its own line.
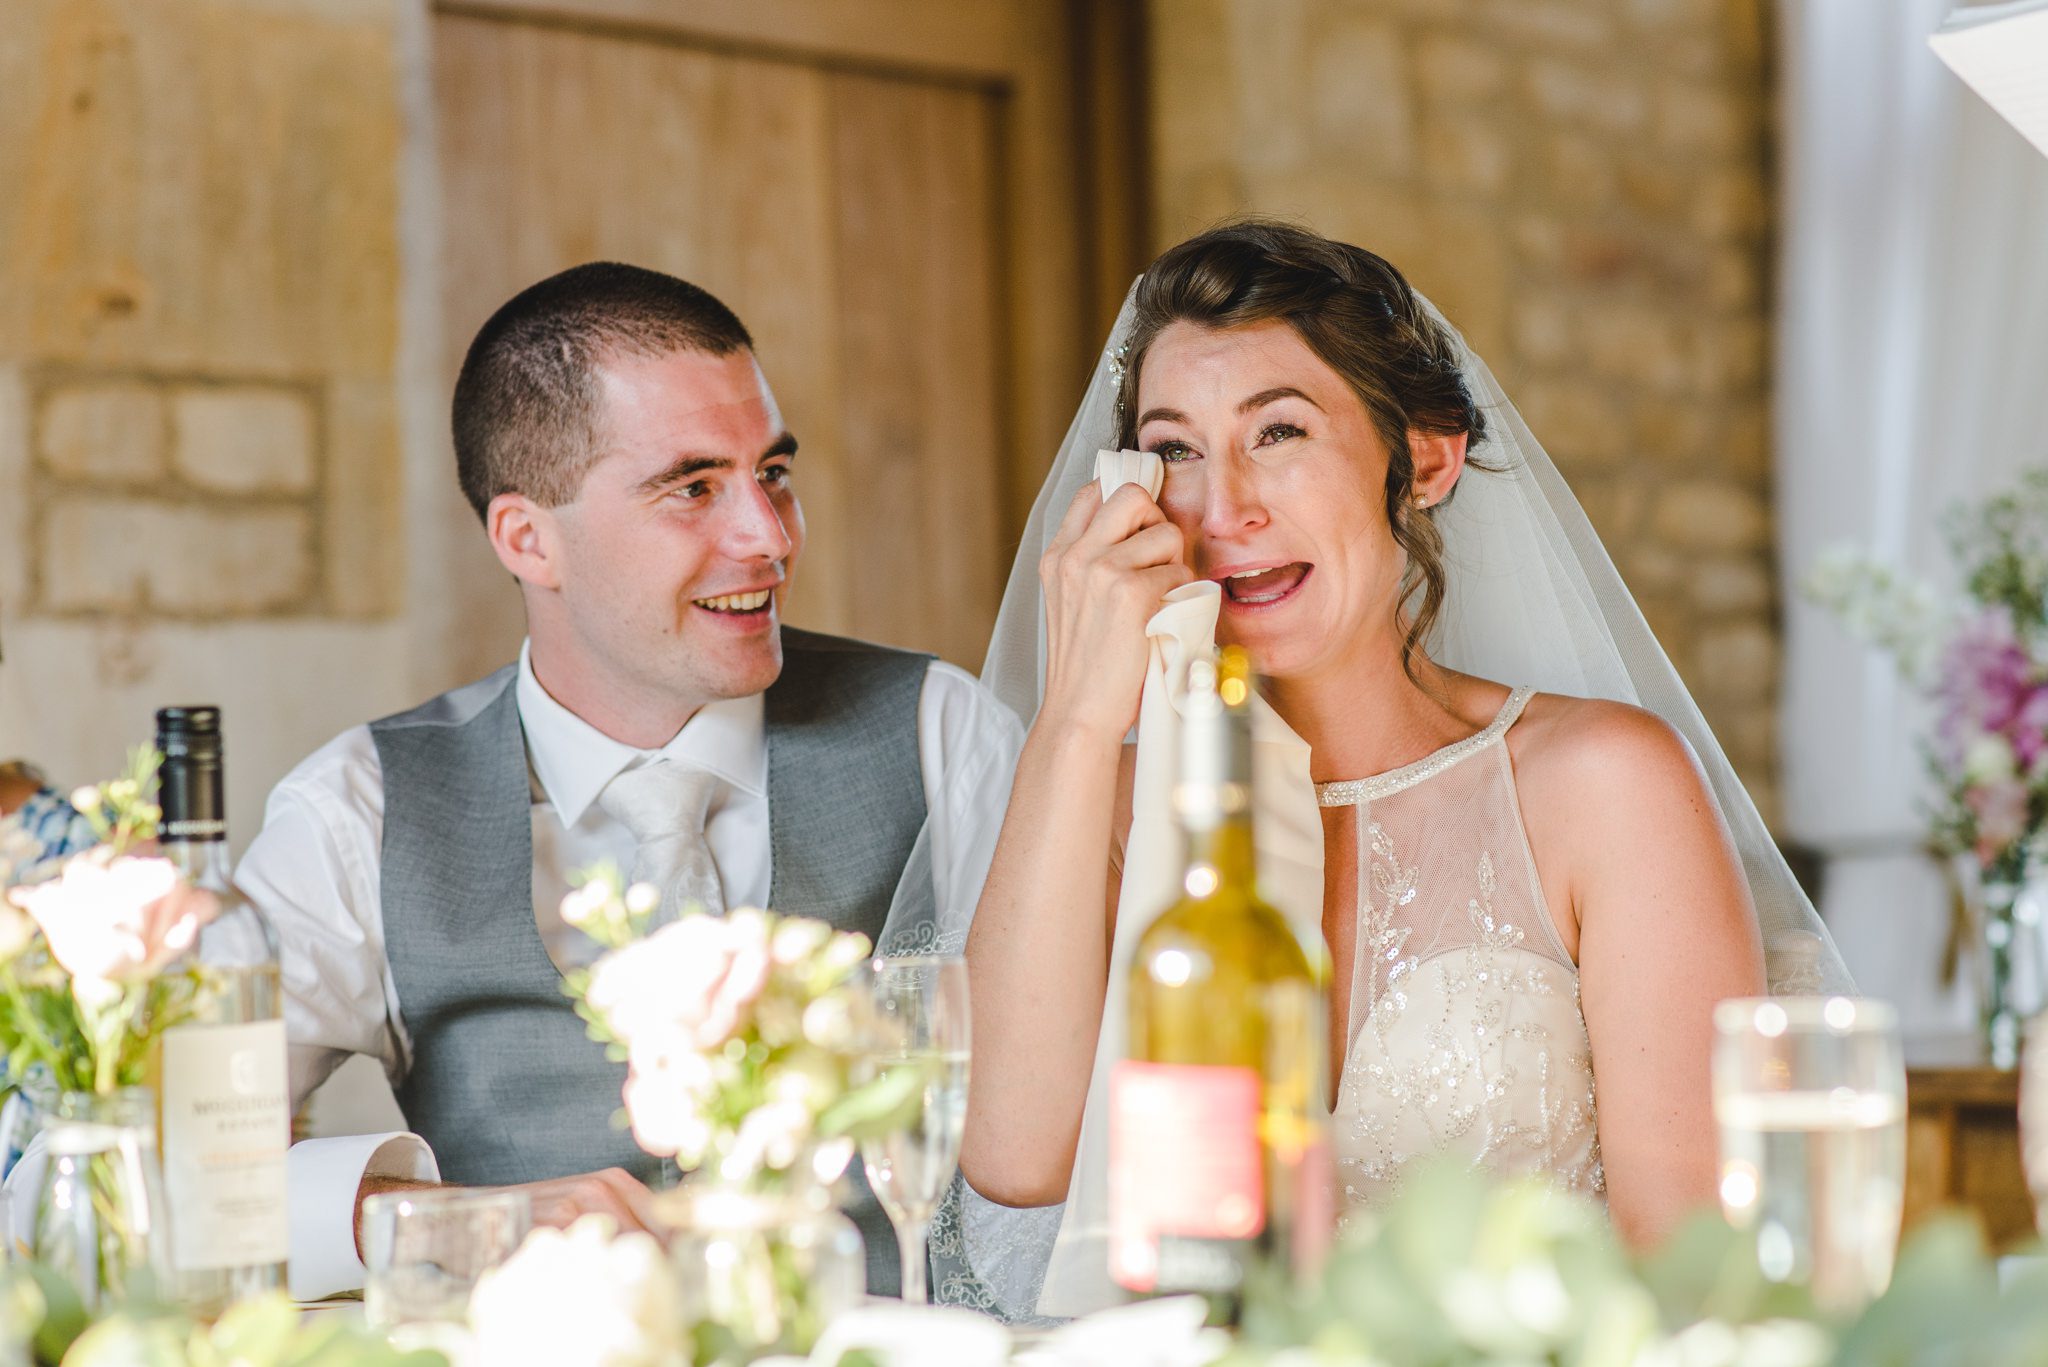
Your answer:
<point x="1117" y="362"/>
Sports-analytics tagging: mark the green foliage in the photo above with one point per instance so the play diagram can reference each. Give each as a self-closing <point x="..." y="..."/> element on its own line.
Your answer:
<point x="1460" y="1272"/>
<point x="2001" y="547"/>
<point x="270" y="1332"/>
<point x="123" y="812"/>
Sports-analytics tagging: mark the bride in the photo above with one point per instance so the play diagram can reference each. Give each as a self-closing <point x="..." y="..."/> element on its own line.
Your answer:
<point x="1532" y="899"/>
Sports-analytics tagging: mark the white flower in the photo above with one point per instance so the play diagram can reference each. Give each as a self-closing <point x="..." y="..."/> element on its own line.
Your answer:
<point x="770" y="1139"/>
<point x="1716" y="1343"/>
<point x="584" y="905"/>
<point x="677" y="979"/>
<point x="828" y="1022"/>
<point x="846" y="951"/>
<point x="1989" y="759"/>
<point x="17" y="929"/>
<point x="807" y="1077"/>
<point x="586" y="1297"/>
<point x="797" y="938"/>
<point x="642" y="899"/>
<point x="667" y="1114"/>
<point x="115" y="921"/>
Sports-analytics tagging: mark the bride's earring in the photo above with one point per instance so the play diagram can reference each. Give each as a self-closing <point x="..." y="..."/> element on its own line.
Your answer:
<point x="1420" y="499"/>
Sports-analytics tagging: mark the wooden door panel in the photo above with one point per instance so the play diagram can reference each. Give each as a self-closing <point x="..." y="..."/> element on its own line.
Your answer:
<point x="918" y="322"/>
<point x="849" y="219"/>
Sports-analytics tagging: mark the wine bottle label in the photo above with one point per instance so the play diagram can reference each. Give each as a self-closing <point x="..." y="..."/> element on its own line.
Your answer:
<point x="227" y="1125"/>
<point x="1185" y="1170"/>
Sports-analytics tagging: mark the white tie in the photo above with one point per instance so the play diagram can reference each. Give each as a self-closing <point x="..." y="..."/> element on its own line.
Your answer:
<point x="663" y="805"/>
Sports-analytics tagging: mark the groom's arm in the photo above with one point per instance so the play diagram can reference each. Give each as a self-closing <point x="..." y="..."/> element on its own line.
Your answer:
<point x="314" y="871"/>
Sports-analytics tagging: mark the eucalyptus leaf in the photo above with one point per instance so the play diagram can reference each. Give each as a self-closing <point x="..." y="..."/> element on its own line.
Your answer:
<point x="876" y="1107"/>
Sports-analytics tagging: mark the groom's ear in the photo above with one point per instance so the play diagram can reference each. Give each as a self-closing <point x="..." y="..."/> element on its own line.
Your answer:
<point x="527" y="539"/>
<point x="1439" y="460"/>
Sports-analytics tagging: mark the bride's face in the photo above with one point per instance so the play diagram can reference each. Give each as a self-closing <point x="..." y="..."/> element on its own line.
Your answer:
<point x="1276" y="474"/>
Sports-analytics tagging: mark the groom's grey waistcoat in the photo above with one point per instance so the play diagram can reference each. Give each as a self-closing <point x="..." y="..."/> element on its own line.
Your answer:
<point x="504" y="1084"/>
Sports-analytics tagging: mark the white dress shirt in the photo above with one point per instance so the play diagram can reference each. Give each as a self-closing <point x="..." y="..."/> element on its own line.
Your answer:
<point x="314" y="869"/>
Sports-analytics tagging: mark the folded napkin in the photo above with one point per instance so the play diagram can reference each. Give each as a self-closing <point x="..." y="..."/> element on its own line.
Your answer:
<point x="1289" y="837"/>
<point x="915" y="1336"/>
<point x="1161" y="1333"/>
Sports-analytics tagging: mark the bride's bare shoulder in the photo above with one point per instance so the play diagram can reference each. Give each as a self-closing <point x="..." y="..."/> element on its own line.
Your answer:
<point x="1563" y="742"/>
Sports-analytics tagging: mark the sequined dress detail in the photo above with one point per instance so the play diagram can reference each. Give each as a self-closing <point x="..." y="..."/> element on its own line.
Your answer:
<point x="1466" y="1032"/>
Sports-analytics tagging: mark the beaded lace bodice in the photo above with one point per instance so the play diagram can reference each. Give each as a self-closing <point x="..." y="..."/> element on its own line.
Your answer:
<point x="1466" y="1032"/>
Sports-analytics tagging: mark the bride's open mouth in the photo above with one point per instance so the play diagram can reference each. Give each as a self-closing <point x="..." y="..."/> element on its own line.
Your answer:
<point x="1264" y="587"/>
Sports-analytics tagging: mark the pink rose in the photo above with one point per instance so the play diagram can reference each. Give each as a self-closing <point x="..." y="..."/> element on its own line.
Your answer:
<point x="115" y="921"/>
<point x="2001" y="812"/>
<point x="695" y="978"/>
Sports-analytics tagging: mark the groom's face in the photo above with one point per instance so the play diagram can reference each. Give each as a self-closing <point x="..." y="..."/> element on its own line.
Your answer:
<point x="680" y="544"/>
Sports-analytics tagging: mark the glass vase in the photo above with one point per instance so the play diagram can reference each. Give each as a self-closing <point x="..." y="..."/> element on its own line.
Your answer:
<point x="100" y="1213"/>
<point x="2013" y="977"/>
<point x="762" y="1273"/>
<point x="2034" y="1117"/>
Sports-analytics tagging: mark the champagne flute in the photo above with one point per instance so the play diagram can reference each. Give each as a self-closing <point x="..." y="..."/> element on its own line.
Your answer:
<point x="918" y="1023"/>
<point x="1810" y="1099"/>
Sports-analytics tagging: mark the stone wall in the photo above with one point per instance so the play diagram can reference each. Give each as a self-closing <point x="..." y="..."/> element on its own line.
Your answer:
<point x="1582" y="185"/>
<point x="201" y="470"/>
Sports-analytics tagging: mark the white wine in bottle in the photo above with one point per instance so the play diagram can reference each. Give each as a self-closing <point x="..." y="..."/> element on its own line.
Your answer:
<point x="222" y="1083"/>
<point x="1217" y="1149"/>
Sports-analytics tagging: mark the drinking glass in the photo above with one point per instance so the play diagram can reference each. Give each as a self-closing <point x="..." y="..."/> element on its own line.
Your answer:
<point x="917" y="1036"/>
<point x="423" y="1250"/>
<point x="1810" y="1100"/>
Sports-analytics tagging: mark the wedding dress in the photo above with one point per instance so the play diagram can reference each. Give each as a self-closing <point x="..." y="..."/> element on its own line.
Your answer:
<point x="1466" y="1034"/>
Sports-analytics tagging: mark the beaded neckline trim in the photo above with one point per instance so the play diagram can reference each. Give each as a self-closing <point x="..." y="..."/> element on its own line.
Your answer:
<point x="1352" y="791"/>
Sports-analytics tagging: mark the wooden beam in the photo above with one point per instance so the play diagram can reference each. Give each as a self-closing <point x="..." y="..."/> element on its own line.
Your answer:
<point x="965" y="41"/>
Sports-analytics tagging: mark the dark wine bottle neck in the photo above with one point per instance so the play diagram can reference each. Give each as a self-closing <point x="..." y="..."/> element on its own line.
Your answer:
<point x="191" y="795"/>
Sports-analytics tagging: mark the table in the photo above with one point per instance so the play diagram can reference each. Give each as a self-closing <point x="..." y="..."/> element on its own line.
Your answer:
<point x="1963" y="1148"/>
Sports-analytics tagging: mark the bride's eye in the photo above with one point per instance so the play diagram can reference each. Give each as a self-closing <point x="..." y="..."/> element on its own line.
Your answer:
<point x="1279" y="431"/>
<point x="1173" y="451"/>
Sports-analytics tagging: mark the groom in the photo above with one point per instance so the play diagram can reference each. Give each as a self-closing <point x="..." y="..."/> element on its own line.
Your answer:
<point x="625" y="454"/>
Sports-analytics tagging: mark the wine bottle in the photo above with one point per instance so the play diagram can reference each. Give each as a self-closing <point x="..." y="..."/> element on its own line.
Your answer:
<point x="1217" y="1150"/>
<point x="222" y="1082"/>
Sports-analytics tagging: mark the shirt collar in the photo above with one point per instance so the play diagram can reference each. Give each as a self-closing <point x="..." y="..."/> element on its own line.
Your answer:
<point x="574" y="760"/>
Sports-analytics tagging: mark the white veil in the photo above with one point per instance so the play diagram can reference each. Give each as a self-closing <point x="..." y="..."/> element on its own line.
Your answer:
<point x="1532" y="598"/>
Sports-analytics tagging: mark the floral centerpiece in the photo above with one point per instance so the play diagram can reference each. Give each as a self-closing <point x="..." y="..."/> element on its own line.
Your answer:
<point x="1981" y="658"/>
<point x="86" y="989"/>
<point x="742" y="1036"/>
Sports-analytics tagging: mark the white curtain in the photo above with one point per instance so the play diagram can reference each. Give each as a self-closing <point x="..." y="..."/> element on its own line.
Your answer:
<point x="1912" y="373"/>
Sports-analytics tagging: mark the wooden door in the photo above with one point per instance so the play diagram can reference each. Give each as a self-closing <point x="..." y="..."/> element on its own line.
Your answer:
<point x="887" y="192"/>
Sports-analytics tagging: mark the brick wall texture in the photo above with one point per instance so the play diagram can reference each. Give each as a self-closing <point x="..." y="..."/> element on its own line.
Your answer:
<point x="1583" y="187"/>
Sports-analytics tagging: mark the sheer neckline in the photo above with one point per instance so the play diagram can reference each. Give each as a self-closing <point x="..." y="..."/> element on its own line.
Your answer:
<point x="1352" y="791"/>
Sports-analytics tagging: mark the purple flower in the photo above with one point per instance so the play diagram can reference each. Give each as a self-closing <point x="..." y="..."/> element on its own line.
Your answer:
<point x="1988" y="683"/>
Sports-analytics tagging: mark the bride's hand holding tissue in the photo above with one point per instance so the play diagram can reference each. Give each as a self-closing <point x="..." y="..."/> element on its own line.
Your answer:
<point x="1107" y="569"/>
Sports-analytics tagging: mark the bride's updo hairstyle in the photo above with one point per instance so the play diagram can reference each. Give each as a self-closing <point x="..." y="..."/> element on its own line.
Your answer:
<point x="1357" y="313"/>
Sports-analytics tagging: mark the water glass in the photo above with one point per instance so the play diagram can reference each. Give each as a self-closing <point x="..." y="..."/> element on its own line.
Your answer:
<point x="1810" y="1101"/>
<point x="917" y="1038"/>
<point x="423" y="1250"/>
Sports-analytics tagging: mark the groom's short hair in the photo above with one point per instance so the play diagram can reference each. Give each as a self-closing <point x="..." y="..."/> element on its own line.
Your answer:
<point x="526" y="404"/>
